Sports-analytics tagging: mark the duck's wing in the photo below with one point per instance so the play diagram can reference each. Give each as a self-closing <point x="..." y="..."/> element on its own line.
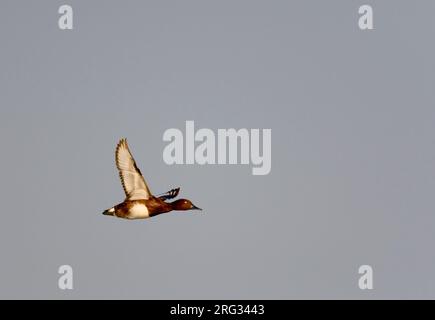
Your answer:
<point x="134" y="184"/>
<point x="170" y="194"/>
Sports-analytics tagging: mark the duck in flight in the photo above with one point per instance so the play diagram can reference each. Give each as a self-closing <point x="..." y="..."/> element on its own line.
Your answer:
<point x="139" y="202"/>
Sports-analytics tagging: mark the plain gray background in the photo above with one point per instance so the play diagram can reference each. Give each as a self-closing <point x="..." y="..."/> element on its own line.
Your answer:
<point x="352" y="118"/>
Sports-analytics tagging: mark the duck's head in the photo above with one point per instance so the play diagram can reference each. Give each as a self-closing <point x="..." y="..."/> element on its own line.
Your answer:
<point x="184" y="204"/>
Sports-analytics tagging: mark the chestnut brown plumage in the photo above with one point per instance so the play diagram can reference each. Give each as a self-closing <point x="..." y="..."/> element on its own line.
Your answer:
<point x="139" y="202"/>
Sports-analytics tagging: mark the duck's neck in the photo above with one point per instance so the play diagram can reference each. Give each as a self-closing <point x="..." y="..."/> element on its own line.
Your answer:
<point x="162" y="207"/>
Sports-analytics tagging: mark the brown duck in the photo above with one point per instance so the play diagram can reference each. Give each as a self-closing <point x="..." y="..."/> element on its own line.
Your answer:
<point x="139" y="202"/>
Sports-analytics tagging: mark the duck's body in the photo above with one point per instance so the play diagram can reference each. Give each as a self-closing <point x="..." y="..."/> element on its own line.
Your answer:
<point x="139" y="209"/>
<point x="139" y="202"/>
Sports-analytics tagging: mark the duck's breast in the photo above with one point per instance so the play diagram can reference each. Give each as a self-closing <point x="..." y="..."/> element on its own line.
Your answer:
<point x="138" y="211"/>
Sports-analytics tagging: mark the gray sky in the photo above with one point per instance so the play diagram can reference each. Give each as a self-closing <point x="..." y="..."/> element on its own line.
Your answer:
<point x="352" y="119"/>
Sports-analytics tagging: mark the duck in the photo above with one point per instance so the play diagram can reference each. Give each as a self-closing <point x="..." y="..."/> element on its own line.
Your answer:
<point x="140" y="203"/>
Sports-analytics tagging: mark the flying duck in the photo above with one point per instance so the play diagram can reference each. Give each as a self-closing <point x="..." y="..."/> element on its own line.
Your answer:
<point x="139" y="202"/>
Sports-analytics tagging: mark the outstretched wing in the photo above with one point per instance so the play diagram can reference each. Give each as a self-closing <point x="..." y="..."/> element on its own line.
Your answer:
<point x="134" y="184"/>
<point x="170" y="194"/>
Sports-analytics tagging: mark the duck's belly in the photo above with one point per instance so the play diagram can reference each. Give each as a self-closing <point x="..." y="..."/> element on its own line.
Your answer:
<point x="138" y="211"/>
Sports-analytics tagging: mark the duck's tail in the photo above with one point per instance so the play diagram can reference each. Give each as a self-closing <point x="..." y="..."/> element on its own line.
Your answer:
<point x="109" y="212"/>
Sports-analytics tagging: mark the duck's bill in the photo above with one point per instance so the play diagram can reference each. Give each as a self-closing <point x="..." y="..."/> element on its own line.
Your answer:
<point x="196" y="208"/>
